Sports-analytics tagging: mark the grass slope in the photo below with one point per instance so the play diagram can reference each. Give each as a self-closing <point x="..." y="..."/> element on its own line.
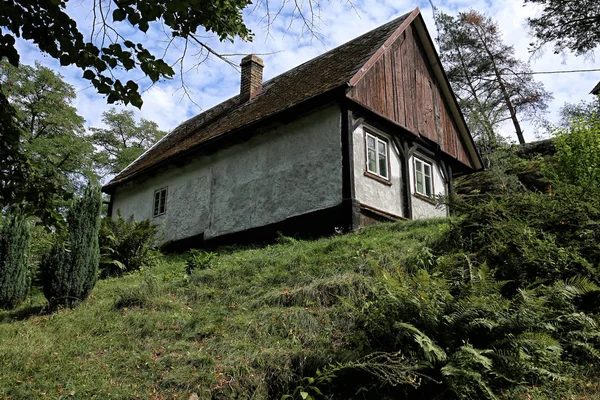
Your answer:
<point x="245" y="327"/>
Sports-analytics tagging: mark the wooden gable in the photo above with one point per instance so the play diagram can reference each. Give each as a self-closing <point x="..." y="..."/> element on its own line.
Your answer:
<point x="401" y="86"/>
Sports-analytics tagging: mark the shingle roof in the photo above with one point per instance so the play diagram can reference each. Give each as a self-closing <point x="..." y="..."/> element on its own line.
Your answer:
<point x="328" y="71"/>
<point x="596" y="89"/>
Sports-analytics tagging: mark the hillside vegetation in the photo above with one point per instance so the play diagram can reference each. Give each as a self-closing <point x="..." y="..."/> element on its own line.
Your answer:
<point x="485" y="306"/>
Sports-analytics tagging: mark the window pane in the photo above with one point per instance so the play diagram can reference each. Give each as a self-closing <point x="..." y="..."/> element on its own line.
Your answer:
<point x="428" y="186"/>
<point x="419" y="165"/>
<point x="381" y="147"/>
<point x="427" y="169"/>
<point x="372" y="161"/>
<point x="419" y="177"/>
<point x="163" y="200"/>
<point x="383" y="165"/>
<point x="371" y="142"/>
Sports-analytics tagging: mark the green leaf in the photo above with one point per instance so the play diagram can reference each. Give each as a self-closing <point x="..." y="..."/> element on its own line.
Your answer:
<point x="143" y="25"/>
<point x="89" y="74"/>
<point x="118" y="15"/>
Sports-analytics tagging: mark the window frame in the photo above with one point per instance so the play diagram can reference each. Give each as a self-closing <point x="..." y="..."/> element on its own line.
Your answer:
<point x="377" y="174"/>
<point x="156" y="207"/>
<point x="431" y="174"/>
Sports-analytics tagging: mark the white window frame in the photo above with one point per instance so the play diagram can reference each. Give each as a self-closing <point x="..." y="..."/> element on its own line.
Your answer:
<point x="424" y="177"/>
<point x="386" y="153"/>
<point x="159" y="199"/>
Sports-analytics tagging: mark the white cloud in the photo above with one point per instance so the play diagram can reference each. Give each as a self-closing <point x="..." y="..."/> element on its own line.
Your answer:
<point x="286" y="47"/>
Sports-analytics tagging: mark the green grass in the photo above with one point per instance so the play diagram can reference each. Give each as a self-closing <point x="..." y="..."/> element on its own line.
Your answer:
<point x="246" y="327"/>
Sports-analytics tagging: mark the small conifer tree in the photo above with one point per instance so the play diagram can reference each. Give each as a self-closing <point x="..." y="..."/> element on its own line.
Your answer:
<point x="70" y="270"/>
<point x="15" y="238"/>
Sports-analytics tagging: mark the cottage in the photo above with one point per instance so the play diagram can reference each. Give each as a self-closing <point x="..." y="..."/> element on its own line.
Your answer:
<point x="367" y="131"/>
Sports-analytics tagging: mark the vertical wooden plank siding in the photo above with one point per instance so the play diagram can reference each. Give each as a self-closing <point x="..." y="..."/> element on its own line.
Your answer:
<point x="401" y="86"/>
<point x="398" y="83"/>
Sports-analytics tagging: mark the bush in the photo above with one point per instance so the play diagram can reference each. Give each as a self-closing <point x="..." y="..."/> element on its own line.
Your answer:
<point x="69" y="271"/>
<point x="578" y="154"/>
<point x="15" y="239"/>
<point x="126" y="245"/>
<point x="526" y="237"/>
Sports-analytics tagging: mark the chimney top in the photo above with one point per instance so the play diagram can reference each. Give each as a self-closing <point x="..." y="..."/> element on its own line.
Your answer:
<point x="251" y="83"/>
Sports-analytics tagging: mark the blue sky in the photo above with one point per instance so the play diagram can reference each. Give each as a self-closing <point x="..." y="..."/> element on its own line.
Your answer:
<point x="283" y="46"/>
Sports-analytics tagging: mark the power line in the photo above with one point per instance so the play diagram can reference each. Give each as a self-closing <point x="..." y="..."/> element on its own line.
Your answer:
<point x="557" y="72"/>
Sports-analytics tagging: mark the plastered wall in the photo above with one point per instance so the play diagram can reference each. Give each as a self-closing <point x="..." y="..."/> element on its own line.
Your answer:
<point x="287" y="171"/>
<point x="371" y="192"/>
<point x="423" y="208"/>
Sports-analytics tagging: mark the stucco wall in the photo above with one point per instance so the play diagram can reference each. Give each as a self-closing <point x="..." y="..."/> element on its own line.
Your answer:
<point x="287" y="171"/>
<point x="371" y="192"/>
<point x="423" y="208"/>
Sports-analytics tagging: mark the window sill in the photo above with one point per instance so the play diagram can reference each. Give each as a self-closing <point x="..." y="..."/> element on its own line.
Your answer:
<point x="430" y="200"/>
<point x="378" y="178"/>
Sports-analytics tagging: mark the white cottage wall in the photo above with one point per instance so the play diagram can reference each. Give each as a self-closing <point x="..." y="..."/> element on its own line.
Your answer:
<point x="421" y="207"/>
<point x="372" y="192"/>
<point x="290" y="170"/>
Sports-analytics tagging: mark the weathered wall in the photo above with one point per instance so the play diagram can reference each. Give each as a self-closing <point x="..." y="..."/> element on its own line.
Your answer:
<point x="371" y="192"/>
<point x="402" y="87"/>
<point x="422" y="208"/>
<point x="287" y="171"/>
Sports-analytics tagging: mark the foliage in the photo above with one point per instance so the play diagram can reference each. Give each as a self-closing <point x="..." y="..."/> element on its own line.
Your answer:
<point x="70" y="270"/>
<point x="263" y="322"/>
<point x="198" y="260"/>
<point x="491" y="84"/>
<point x="15" y="239"/>
<point x="122" y="141"/>
<point x="584" y="110"/>
<point x="50" y="27"/>
<point x="568" y="25"/>
<point x="54" y="152"/>
<point x="530" y="237"/>
<point x="126" y="246"/>
<point x="577" y="159"/>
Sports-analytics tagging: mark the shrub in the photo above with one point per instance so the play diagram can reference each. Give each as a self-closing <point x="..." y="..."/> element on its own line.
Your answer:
<point x="198" y="260"/>
<point x="126" y="245"/>
<point x="70" y="270"/>
<point x="578" y="154"/>
<point x="14" y="245"/>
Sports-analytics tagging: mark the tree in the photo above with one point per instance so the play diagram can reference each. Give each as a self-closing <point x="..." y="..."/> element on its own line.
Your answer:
<point x="70" y="270"/>
<point x="14" y="245"/>
<point x="569" y="25"/>
<point x="122" y="141"/>
<point x="109" y="48"/>
<point x="584" y="110"/>
<point x="492" y="85"/>
<point x="50" y="142"/>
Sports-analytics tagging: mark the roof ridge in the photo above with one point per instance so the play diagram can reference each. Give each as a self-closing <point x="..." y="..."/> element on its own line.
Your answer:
<point x="399" y="20"/>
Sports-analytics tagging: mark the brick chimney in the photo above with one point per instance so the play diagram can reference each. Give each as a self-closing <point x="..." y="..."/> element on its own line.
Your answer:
<point x="252" y="70"/>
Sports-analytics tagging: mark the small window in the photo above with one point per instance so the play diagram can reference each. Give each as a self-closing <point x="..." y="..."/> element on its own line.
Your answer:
<point x="377" y="156"/>
<point x="160" y="202"/>
<point x="423" y="177"/>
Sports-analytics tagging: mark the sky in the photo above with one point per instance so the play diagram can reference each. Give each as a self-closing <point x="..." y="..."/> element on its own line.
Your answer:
<point x="286" y="43"/>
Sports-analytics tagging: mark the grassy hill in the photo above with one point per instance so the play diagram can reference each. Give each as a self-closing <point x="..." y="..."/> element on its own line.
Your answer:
<point x="244" y="324"/>
<point x="376" y="312"/>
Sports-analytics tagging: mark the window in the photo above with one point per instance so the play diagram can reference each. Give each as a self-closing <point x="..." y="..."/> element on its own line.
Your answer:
<point x="377" y="156"/>
<point x="423" y="178"/>
<point x="160" y="202"/>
